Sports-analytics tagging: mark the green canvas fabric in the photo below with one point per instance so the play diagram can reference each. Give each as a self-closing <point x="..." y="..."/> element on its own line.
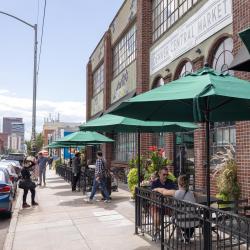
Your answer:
<point x="114" y="123"/>
<point x="84" y="138"/>
<point x="245" y="37"/>
<point x="189" y="98"/>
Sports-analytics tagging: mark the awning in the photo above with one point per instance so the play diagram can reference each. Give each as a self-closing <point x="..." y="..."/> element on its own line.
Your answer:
<point x="245" y="37"/>
<point x="241" y="61"/>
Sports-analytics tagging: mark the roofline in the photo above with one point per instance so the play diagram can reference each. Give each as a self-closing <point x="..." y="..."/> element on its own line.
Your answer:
<point x="117" y="13"/>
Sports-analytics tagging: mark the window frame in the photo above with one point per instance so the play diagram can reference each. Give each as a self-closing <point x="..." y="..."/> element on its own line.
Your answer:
<point x="98" y="77"/>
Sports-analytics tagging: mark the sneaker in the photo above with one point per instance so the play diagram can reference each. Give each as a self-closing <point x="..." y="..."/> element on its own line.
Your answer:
<point x="35" y="203"/>
<point x="107" y="201"/>
<point x="88" y="200"/>
<point x="25" y="205"/>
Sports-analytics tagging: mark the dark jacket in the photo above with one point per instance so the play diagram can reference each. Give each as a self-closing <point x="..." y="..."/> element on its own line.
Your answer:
<point x="76" y="165"/>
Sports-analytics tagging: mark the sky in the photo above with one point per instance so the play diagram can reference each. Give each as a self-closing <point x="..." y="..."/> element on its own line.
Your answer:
<point x="72" y="30"/>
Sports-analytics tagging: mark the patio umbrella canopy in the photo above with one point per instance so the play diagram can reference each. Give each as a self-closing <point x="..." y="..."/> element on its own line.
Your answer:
<point x="203" y="96"/>
<point x="84" y="138"/>
<point x="115" y="123"/>
<point x="245" y="37"/>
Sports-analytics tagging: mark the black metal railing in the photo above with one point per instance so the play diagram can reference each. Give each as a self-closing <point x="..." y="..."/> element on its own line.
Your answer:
<point x="178" y="224"/>
<point x="86" y="177"/>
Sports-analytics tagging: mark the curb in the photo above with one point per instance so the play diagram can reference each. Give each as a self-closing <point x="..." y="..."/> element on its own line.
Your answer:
<point x="8" y="243"/>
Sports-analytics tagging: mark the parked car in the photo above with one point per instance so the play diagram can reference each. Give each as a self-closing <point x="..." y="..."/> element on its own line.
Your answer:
<point x="16" y="157"/>
<point x="12" y="173"/>
<point x="6" y="192"/>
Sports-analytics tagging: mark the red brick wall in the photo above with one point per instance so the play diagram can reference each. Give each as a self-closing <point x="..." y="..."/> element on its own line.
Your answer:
<point x="144" y="41"/>
<point x="200" y="154"/>
<point x="241" y="20"/>
<point x="89" y="89"/>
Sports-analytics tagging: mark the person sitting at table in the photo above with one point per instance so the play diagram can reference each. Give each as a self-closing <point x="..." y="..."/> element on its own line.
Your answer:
<point x="166" y="180"/>
<point x="183" y="193"/>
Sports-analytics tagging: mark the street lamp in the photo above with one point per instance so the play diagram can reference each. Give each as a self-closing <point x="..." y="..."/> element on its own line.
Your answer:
<point x="33" y="130"/>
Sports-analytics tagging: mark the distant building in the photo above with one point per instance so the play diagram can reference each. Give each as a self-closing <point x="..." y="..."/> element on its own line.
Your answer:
<point x="13" y="127"/>
<point x="7" y="121"/>
<point x="3" y="142"/>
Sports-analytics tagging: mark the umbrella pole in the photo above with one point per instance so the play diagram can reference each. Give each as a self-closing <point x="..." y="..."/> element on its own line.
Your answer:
<point x="208" y="159"/>
<point x="139" y="157"/>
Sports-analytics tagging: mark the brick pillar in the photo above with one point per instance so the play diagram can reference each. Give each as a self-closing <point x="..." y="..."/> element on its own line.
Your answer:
<point x="107" y="148"/>
<point x="107" y="69"/>
<point x="143" y="43"/>
<point x="241" y="20"/>
<point x="200" y="157"/>
<point x="198" y="63"/>
<point x="169" y="139"/>
<point x="89" y="90"/>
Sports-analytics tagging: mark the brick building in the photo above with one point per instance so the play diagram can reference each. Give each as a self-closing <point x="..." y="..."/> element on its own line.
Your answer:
<point x="152" y="42"/>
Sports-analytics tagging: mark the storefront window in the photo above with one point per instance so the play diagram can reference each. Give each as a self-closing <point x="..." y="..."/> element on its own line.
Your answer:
<point x="167" y="12"/>
<point x="223" y="133"/>
<point x="124" y="52"/>
<point x="124" y="146"/>
<point x="223" y="56"/>
<point x="98" y="80"/>
<point x="187" y="68"/>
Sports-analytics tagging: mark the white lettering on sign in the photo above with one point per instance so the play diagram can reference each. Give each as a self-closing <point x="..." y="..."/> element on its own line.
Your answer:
<point x="213" y="16"/>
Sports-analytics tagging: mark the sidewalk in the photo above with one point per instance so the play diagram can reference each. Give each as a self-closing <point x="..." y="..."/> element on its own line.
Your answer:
<point x="63" y="220"/>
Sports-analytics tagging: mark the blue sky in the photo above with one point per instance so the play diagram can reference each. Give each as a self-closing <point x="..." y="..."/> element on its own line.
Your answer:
<point x="72" y="30"/>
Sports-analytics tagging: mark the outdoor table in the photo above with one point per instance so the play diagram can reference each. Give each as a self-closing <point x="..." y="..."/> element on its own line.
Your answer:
<point x="202" y="199"/>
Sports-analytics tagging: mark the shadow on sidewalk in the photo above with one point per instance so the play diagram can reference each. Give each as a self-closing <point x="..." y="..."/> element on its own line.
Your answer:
<point x="66" y="186"/>
<point x="56" y="181"/>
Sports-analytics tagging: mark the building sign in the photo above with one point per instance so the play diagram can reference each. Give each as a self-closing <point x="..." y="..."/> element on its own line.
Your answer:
<point x="209" y="19"/>
<point x="124" y="83"/>
<point x="97" y="103"/>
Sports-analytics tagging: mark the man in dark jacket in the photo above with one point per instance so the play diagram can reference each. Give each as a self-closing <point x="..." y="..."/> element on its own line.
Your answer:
<point x="76" y="170"/>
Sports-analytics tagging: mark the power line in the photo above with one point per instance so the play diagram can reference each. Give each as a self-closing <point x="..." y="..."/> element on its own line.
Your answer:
<point x="41" y="41"/>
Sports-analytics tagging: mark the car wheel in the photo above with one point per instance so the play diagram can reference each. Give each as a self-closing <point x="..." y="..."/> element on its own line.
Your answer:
<point x="9" y="214"/>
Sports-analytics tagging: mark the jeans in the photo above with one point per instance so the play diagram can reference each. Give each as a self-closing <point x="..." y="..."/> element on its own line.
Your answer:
<point x="42" y="173"/>
<point x="33" y="193"/>
<point x="96" y="184"/>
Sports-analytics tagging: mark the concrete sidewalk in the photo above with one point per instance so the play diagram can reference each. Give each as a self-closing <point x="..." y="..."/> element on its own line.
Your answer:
<point x="63" y="220"/>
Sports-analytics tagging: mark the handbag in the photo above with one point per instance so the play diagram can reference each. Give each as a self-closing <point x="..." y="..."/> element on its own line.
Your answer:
<point x="26" y="184"/>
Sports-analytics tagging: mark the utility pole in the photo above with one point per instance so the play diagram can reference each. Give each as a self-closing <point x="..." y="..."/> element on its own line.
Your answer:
<point x="33" y="130"/>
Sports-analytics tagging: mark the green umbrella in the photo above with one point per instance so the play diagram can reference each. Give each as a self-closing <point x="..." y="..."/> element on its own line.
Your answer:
<point x="245" y="37"/>
<point x="57" y="145"/>
<point x="115" y="123"/>
<point x="84" y="138"/>
<point x="203" y="96"/>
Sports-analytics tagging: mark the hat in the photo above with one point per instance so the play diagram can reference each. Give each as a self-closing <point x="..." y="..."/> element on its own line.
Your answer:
<point x="77" y="153"/>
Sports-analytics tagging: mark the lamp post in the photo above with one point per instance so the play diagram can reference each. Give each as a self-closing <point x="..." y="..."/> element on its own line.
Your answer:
<point x="33" y="130"/>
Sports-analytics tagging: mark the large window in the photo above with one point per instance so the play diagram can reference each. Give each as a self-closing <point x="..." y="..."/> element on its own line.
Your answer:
<point x="124" y="146"/>
<point x="124" y="52"/>
<point x="98" y="80"/>
<point x="223" y="133"/>
<point x="223" y="55"/>
<point x="186" y="69"/>
<point x="167" y="12"/>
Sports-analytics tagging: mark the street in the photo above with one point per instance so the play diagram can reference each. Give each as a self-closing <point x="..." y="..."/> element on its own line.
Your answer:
<point x="4" y="226"/>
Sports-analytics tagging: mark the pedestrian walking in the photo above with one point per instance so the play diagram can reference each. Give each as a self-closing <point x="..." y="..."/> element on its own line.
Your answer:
<point x="76" y="170"/>
<point x="50" y="161"/>
<point x="99" y="179"/>
<point x="42" y="162"/>
<point x="26" y="183"/>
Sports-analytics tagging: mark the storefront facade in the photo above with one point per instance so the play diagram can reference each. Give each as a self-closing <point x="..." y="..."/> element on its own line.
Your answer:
<point x="150" y="43"/>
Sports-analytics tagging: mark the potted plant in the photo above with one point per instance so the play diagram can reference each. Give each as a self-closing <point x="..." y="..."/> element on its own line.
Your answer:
<point x="226" y="174"/>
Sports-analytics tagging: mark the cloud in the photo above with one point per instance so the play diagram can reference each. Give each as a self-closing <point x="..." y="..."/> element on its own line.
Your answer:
<point x="70" y="111"/>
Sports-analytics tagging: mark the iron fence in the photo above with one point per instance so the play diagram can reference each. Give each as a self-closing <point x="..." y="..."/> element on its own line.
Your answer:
<point x="86" y="177"/>
<point x="178" y="224"/>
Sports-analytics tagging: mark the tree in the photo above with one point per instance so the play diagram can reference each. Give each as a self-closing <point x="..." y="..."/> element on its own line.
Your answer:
<point x="39" y="144"/>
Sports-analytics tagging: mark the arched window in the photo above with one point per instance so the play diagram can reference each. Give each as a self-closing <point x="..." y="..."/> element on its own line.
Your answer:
<point x="223" y="55"/>
<point x="223" y="133"/>
<point x="186" y="68"/>
<point x="158" y="82"/>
